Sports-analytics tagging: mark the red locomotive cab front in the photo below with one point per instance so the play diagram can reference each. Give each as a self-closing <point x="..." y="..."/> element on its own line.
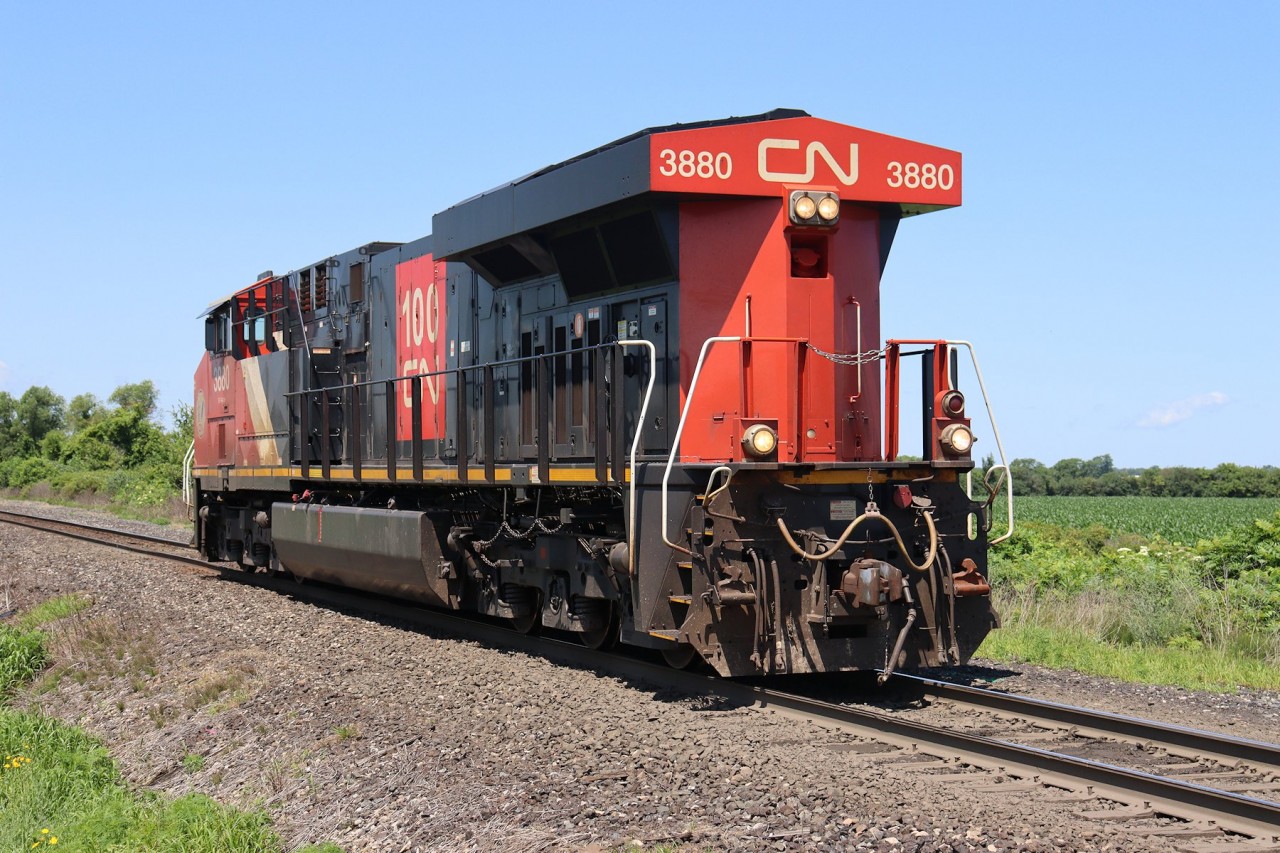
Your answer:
<point x="780" y="262"/>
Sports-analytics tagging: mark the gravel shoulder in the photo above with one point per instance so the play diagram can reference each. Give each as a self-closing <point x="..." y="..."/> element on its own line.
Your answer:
<point x="382" y="738"/>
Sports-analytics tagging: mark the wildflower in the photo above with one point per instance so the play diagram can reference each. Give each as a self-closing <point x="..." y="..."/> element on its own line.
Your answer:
<point x="53" y="839"/>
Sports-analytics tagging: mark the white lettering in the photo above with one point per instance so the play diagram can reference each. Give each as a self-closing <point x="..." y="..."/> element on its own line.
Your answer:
<point x="812" y="152"/>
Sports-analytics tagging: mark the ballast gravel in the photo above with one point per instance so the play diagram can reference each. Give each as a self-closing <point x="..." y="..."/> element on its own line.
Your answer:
<point x="381" y="738"/>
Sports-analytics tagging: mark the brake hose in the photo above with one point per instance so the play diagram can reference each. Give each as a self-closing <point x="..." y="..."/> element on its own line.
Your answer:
<point x="872" y="512"/>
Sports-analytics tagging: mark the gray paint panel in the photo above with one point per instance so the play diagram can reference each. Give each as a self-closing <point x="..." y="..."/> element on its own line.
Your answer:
<point x="377" y="550"/>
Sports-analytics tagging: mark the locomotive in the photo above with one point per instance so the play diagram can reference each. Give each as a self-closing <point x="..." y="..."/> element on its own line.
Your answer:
<point x="635" y="396"/>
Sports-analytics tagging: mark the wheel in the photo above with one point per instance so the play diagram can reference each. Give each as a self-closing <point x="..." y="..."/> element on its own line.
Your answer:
<point x="524" y="598"/>
<point x="604" y="637"/>
<point x="682" y="656"/>
<point x="529" y="623"/>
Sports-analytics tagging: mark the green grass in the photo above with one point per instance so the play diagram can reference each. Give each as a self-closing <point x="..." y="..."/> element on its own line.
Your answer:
<point x="60" y="789"/>
<point x="1088" y="593"/>
<point x="22" y="655"/>
<point x="1193" y="668"/>
<point x="52" y="610"/>
<point x="71" y="787"/>
<point x="1182" y="520"/>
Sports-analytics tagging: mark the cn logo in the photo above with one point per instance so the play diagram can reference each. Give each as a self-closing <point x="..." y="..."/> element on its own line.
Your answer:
<point x="848" y="177"/>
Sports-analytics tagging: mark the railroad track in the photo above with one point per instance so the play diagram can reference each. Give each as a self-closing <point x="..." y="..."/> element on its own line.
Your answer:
<point x="1204" y="792"/>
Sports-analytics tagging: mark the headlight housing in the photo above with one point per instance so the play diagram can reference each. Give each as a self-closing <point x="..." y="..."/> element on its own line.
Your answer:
<point x="956" y="439"/>
<point x="760" y="440"/>
<point x="807" y="207"/>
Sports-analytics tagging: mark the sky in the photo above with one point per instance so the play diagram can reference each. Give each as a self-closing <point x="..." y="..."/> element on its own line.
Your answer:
<point x="1116" y="261"/>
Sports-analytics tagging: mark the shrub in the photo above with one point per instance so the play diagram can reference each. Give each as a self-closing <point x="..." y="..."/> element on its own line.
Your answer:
<point x="31" y="470"/>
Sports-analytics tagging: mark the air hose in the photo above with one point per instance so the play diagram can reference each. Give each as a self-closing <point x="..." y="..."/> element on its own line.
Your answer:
<point x="872" y="513"/>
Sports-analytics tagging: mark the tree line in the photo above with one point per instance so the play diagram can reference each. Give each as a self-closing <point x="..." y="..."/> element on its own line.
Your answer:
<point x="1099" y="476"/>
<point x="115" y="446"/>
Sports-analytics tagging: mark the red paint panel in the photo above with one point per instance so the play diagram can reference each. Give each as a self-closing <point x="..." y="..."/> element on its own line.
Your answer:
<point x="729" y="251"/>
<point x="421" y="305"/>
<point x="217" y="386"/>
<point x="767" y="158"/>
<point x="735" y="253"/>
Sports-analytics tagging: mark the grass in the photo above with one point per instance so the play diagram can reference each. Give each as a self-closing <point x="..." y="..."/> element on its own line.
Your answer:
<point x="1181" y="520"/>
<point x="72" y="787"/>
<point x="52" y="610"/>
<point x="346" y="732"/>
<point x="171" y="511"/>
<point x="1085" y="595"/>
<point x="22" y="655"/>
<point x="1057" y="646"/>
<point x="59" y="787"/>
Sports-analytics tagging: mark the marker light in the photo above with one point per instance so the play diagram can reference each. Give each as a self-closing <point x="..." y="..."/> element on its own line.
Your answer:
<point x="806" y="207"/>
<point x="759" y="440"/>
<point x="957" y="440"/>
<point x="953" y="404"/>
<point x="829" y="208"/>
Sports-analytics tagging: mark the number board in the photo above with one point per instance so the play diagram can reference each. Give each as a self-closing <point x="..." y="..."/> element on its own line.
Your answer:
<point x="769" y="158"/>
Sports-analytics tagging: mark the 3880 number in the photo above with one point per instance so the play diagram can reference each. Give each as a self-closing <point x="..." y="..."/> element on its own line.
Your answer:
<point x="702" y="164"/>
<point x="927" y="176"/>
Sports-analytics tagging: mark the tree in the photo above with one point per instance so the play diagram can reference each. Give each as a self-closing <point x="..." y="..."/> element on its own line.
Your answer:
<point x="139" y="396"/>
<point x="1097" y="466"/>
<point x="1030" y="477"/>
<point x="82" y="409"/>
<point x="40" y="412"/>
<point x="10" y="430"/>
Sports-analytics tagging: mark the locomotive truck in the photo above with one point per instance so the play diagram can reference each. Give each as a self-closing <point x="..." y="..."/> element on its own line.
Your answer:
<point x="639" y="396"/>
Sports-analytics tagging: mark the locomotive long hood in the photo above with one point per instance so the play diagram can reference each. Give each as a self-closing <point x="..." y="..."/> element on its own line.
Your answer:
<point x="764" y="155"/>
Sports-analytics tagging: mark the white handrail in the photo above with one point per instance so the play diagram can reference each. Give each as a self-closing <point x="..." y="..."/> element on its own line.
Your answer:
<point x="675" y="442"/>
<point x="188" y="480"/>
<point x="635" y="445"/>
<point x="995" y="431"/>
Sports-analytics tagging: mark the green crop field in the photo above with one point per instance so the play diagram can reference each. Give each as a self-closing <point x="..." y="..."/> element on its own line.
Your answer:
<point x="1182" y="520"/>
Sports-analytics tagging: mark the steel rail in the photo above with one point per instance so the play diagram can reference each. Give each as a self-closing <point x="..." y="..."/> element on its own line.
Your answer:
<point x="1232" y="812"/>
<point x="1197" y="743"/>
<point x="85" y="533"/>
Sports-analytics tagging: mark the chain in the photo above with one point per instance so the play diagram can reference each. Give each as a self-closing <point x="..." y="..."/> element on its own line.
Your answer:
<point x="537" y="527"/>
<point x="852" y="359"/>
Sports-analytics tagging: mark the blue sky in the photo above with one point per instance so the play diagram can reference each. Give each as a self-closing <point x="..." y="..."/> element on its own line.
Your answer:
<point x="1115" y="260"/>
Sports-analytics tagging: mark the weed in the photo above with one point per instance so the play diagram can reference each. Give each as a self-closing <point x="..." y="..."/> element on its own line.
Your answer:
<point x="52" y="610"/>
<point x="193" y="762"/>
<point x="213" y="685"/>
<point x="22" y="655"/>
<point x="347" y="732"/>
<point x="103" y="647"/>
<point x="161" y="713"/>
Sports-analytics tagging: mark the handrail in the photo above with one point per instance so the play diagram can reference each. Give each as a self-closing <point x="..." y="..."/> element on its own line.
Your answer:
<point x="684" y="415"/>
<point x="487" y="369"/>
<point x="188" y="482"/>
<point x="635" y="445"/>
<point x="995" y="431"/>
<point x="464" y="367"/>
